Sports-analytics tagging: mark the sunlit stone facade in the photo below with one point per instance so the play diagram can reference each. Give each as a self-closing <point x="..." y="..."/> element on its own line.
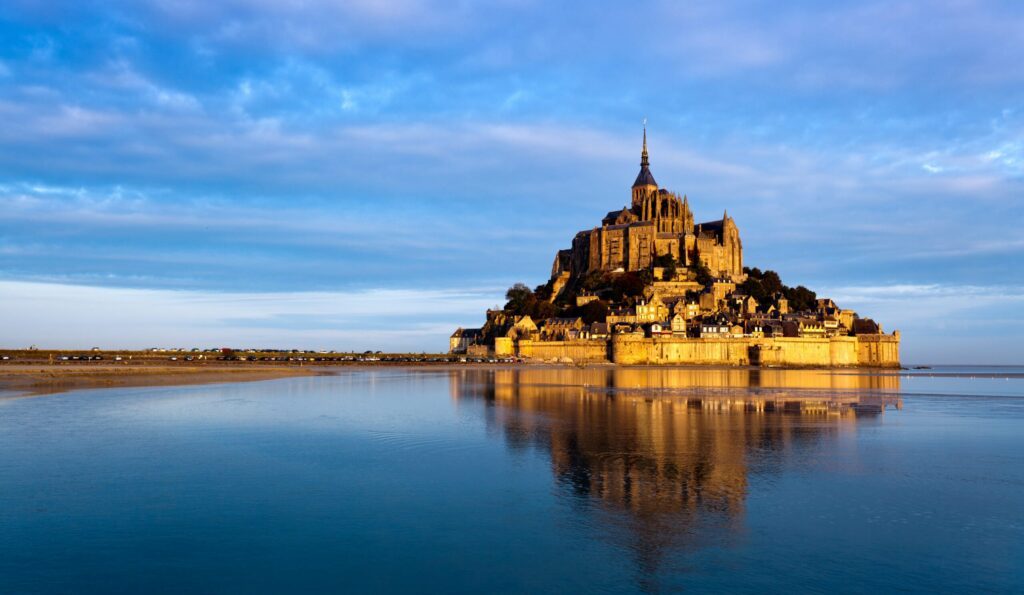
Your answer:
<point x="656" y="222"/>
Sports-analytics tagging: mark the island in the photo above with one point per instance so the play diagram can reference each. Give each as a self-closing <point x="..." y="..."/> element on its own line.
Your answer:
<point x="652" y="286"/>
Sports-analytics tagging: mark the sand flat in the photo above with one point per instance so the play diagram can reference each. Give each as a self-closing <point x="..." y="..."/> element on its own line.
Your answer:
<point x="21" y="380"/>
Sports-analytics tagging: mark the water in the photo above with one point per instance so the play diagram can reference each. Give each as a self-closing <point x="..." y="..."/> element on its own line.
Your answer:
<point x="534" y="480"/>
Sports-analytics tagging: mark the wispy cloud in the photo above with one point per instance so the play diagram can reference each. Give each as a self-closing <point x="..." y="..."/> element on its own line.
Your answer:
<point x="944" y="323"/>
<point x="77" y="316"/>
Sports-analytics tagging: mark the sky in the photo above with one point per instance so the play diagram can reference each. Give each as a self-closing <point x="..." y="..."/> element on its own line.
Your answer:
<point x="361" y="174"/>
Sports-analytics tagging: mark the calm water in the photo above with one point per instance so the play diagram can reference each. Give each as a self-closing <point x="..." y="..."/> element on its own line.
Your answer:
<point x="487" y="481"/>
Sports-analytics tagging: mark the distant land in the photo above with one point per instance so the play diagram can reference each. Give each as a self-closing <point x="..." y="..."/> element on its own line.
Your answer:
<point x="652" y="286"/>
<point x="43" y="371"/>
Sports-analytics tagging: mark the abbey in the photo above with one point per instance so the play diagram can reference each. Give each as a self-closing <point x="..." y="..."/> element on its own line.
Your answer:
<point x="650" y="285"/>
<point x="657" y="222"/>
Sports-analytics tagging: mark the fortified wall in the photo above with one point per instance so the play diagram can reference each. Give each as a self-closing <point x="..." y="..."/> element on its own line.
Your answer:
<point x="577" y="351"/>
<point x="881" y="351"/>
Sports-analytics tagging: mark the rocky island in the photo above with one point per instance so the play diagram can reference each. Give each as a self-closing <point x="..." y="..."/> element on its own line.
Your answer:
<point x="652" y="286"/>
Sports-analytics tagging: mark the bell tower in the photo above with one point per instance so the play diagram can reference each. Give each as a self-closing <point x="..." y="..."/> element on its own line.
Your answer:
<point x="644" y="183"/>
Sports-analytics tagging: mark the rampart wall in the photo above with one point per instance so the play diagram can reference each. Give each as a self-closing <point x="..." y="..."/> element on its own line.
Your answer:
<point x="577" y="351"/>
<point x="862" y="350"/>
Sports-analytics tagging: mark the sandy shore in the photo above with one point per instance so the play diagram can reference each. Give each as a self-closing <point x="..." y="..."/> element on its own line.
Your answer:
<point x="44" y="379"/>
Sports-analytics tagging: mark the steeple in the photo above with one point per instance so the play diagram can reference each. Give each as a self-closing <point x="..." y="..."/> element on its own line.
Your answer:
<point x="644" y="178"/>
<point x="643" y="154"/>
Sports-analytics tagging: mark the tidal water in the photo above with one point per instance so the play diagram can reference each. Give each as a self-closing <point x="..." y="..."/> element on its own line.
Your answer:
<point x="532" y="480"/>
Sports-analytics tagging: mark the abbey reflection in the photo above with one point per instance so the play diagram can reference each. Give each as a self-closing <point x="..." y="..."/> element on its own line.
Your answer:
<point x="673" y="449"/>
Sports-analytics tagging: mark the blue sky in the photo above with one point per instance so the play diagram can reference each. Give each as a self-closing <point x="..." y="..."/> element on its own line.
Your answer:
<point x="362" y="173"/>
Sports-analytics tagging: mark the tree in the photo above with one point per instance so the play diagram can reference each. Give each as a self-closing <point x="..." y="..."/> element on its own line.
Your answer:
<point x="595" y="311"/>
<point x="627" y="284"/>
<point x="593" y="281"/>
<point x="668" y="263"/>
<point x="755" y="289"/>
<point x="543" y="309"/>
<point x="703" y="274"/>
<point x="521" y="299"/>
<point x="801" y="298"/>
<point x="771" y="282"/>
<point x="543" y="292"/>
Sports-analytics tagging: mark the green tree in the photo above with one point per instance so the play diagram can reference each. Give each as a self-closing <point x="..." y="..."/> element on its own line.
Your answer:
<point x="627" y="285"/>
<point x="771" y="282"/>
<point x="595" y="311"/>
<point x="755" y="289"/>
<point x="543" y="309"/>
<point x="521" y="299"/>
<point x="668" y="263"/>
<point x="593" y="281"/>
<point x="801" y="298"/>
<point x="702" y="273"/>
<point x="543" y="292"/>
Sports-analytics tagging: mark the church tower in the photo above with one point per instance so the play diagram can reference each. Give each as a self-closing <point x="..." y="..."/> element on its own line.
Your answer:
<point x="644" y="183"/>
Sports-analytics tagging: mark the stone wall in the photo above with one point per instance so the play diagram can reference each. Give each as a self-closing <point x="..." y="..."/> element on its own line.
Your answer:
<point x="863" y="350"/>
<point x="879" y="350"/>
<point x="634" y="349"/>
<point x="870" y="350"/>
<point x="577" y="351"/>
<point x="503" y="347"/>
<point x="805" y="351"/>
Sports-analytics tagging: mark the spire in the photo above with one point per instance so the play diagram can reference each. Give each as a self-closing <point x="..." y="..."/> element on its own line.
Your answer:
<point x="644" y="178"/>
<point x="643" y="154"/>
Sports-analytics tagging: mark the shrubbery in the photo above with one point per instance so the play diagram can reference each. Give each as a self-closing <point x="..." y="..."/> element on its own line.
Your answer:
<point x="764" y="286"/>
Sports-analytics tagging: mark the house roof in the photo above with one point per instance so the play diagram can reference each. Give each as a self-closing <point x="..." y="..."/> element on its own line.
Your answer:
<point x="865" y="326"/>
<point x="563" y="321"/>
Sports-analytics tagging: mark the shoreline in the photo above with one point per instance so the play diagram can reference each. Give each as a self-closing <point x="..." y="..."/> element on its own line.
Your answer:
<point x="34" y="380"/>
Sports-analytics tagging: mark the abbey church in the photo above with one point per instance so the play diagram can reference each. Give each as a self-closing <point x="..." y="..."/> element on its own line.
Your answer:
<point x="656" y="222"/>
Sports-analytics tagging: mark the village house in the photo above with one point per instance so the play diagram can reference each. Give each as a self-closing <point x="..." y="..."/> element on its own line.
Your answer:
<point x="561" y="329"/>
<point x="462" y="338"/>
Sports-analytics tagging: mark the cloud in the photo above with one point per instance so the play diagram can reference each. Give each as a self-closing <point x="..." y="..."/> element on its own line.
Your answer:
<point x="311" y="26"/>
<point x="943" y="323"/>
<point x="939" y="323"/>
<point x="121" y="77"/>
<point x="74" y="316"/>
<point x="158" y="237"/>
<point x="864" y="45"/>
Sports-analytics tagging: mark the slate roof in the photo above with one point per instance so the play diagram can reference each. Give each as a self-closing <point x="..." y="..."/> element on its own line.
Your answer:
<point x="865" y="326"/>
<point x="713" y="226"/>
<point x="644" y="178"/>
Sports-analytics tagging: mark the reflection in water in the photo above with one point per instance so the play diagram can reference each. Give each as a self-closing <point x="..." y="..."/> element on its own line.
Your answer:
<point x="665" y="454"/>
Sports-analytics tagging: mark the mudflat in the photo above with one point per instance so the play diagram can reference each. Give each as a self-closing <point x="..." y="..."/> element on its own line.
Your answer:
<point x="45" y="379"/>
